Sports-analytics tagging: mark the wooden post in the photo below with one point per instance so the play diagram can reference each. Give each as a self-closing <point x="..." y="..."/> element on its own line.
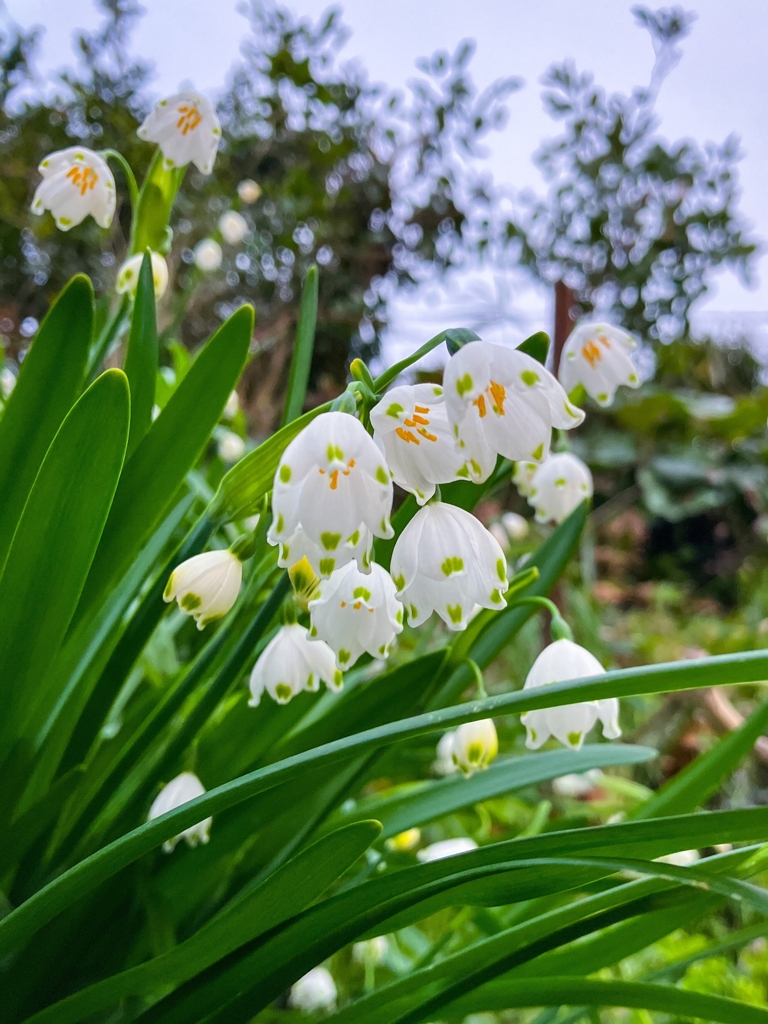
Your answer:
<point x="564" y="301"/>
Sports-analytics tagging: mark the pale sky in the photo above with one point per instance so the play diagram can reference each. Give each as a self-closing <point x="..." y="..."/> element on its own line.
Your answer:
<point x="720" y="86"/>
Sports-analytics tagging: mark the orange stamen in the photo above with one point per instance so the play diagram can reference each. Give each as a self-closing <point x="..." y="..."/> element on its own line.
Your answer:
<point x="480" y="403"/>
<point x="592" y="353"/>
<point x="189" y="120"/>
<point x="343" y="604"/>
<point x="421" y="408"/>
<point x="499" y="396"/>
<point x="85" y="177"/>
<point x="407" y="435"/>
<point x="334" y="479"/>
<point x="426" y="433"/>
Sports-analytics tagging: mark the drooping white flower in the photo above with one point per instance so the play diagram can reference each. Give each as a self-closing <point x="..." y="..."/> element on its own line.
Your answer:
<point x="597" y="356"/>
<point x="186" y="129"/>
<point x="575" y="785"/>
<point x="76" y="182"/>
<point x="232" y="407"/>
<point x="207" y="255"/>
<point x="331" y="481"/>
<point x="248" y="191"/>
<point x="516" y="525"/>
<point x="559" y="486"/>
<point x="370" y="951"/>
<point x="410" y="426"/>
<point x="315" y="991"/>
<point x="446" y="848"/>
<point x="502" y="401"/>
<point x="354" y="612"/>
<point x="233" y="227"/>
<point x="444" y="763"/>
<point x="522" y="476"/>
<point x="561" y="661"/>
<point x="128" y="275"/>
<point x="206" y="585"/>
<point x="179" y="791"/>
<point x="446" y="561"/>
<point x="231" y="447"/>
<point x="357" y="547"/>
<point x="290" y="663"/>
<point x="474" y="746"/>
<point x="7" y="381"/>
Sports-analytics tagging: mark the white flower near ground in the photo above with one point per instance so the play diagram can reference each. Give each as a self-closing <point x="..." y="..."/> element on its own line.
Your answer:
<point x="76" y="182"/>
<point x="516" y="525"/>
<point x="444" y="763"/>
<point x="7" y="381"/>
<point x="315" y="991"/>
<point x="231" y="447"/>
<point x="446" y="561"/>
<point x="410" y="426"/>
<point x="569" y="723"/>
<point x="331" y="482"/>
<point x="356" y="547"/>
<point x="186" y="129"/>
<point x="207" y="255"/>
<point x="290" y="663"/>
<point x="354" y="612"/>
<point x="474" y="746"/>
<point x="371" y="951"/>
<point x="128" y="275"/>
<point x="575" y="785"/>
<point x="180" y="791"/>
<point x="559" y="486"/>
<point x="206" y="585"/>
<point x="503" y="402"/>
<point x="233" y="227"/>
<point x="681" y="859"/>
<point x="597" y="356"/>
<point x="232" y="407"/>
<point x="248" y="191"/>
<point x="446" y="848"/>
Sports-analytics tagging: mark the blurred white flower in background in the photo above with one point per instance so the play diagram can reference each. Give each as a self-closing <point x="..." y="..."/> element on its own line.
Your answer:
<point x="559" y="486"/>
<point x="248" y="191"/>
<point x="315" y="991"/>
<point x="231" y="446"/>
<point x="179" y="791"/>
<point x="186" y="129"/>
<point x="446" y="848"/>
<point x="516" y="526"/>
<point x="370" y="950"/>
<point x="207" y="255"/>
<point x="444" y="763"/>
<point x="76" y="182"/>
<point x="7" y="381"/>
<point x="597" y="356"/>
<point x="233" y="227"/>
<point x="574" y="785"/>
<point x="232" y="407"/>
<point x="128" y="275"/>
<point x="474" y="746"/>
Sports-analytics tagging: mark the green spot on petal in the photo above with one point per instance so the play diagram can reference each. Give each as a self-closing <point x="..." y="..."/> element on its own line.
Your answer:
<point x="190" y="601"/>
<point x="280" y="523"/>
<point x="335" y="453"/>
<point x="452" y="564"/>
<point x="529" y="377"/>
<point x="361" y="593"/>
<point x="382" y="476"/>
<point x="394" y="410"/>
<point x="283" y="693"/>
<point x="501" y="570"/>
<point x="344" y="656"/>
<point x="454" y="612"/>
<point x="285" y="473"/>
<point x="464" y="384"/>
<point x="574" y="738"/>
<point x="327" y="566"/>
<point x="330" y="541"/>
<point x="538" y="452"/>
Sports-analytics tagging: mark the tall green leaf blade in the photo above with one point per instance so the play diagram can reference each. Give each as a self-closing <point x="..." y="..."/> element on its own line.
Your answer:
<point x="302" y="349"/>
<point x="50" y="380"/>
<point x="54" y="546"/>
<point x="141" y="357"/>
<point x="169" y="449"/>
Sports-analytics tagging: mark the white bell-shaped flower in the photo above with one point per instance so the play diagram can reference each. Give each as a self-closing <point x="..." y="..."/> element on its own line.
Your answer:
<point x="315" y="991"/>
<point x="233" y="227"/>
<point x="231" y="446"/>
<point x="444" y="763"/>
<point x="474" y="746"/>
<point x="597" y="356"/>
<point x="76" y="182"/>
<point x="186" y="129"/>
<point x="516" y="525"/>
<point x="331" y="482"/>
<point x="410" y="426"/>
<point x="559" y="486"/>
<point x="502" y="401"/>
<point x="290" y="663"/>
<point x="207" y="255"/>
<point x="446" y="561"/>
<point x="561" y="661"/>
<point x="522" y="476"/>
<point x="206" y="585"/>
<point x="354" y="612"/>
<point x="446" y="848"/>
<point x="357" y="547"/>
<point x="179" y="791"/>
<point x="128" y="275"/>
<point x="370" y="951"/>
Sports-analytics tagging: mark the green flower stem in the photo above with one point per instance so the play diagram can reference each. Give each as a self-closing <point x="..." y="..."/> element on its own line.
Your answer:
<point x="133" y="188"/>
<point x="394" y="371"/>
<point x="477" y="673"/>
<point x="559" y="628"/>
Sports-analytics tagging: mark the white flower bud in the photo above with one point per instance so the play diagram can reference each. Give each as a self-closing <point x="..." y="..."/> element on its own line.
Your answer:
<point x="516" y="525"/>
<point x="331" y="482"/>
<point x="446" y="848"/>
<point x="186" y="129"/>
<point x="290" y="663"/>
<point x="128" y="275"/>
<point x="231" y="447"/>
<point x="248" y="191"/>
<point x="446" y="561"/>
<point x="597" y="356"/>
<point x="354" y="612"/>
<point x="559" y="486"/>
<point x="315" y="991"/>
<point x="206" y="585"/>
<point x="233" y="227"/>
<point x="76" y="182"/>
<point x="444" y="763"/>
<point x="370" y="951"/>
<point x="208" y="255"/>
<point x="410" y="426"/>
<point x="179" y="791"/>
<point x="502" y="401"/>
<point x="475" y="745"/>
<point x="557" y="663"/>
<point x="232" y="407"/>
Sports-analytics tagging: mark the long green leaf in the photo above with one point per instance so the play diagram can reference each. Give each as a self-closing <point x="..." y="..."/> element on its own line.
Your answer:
<point x="169" y="449"/>
<point x="141" y="357"/>
<point x="302" y="348"/>
<point x="727" y="669"/>
<point x="283" y="894"/>
<point x="53" y="549"/>
<point x="51" y="378"/>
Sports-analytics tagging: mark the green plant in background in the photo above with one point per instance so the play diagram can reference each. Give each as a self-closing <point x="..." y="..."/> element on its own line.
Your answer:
<point x="140" y="586"/>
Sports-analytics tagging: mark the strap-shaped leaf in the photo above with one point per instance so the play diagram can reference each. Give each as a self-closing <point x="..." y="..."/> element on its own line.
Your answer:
<point x="141" y="357"/>
<point x="50" y="380"/>
<point x="302" y="348"/>
<point x="54" y="546"/>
